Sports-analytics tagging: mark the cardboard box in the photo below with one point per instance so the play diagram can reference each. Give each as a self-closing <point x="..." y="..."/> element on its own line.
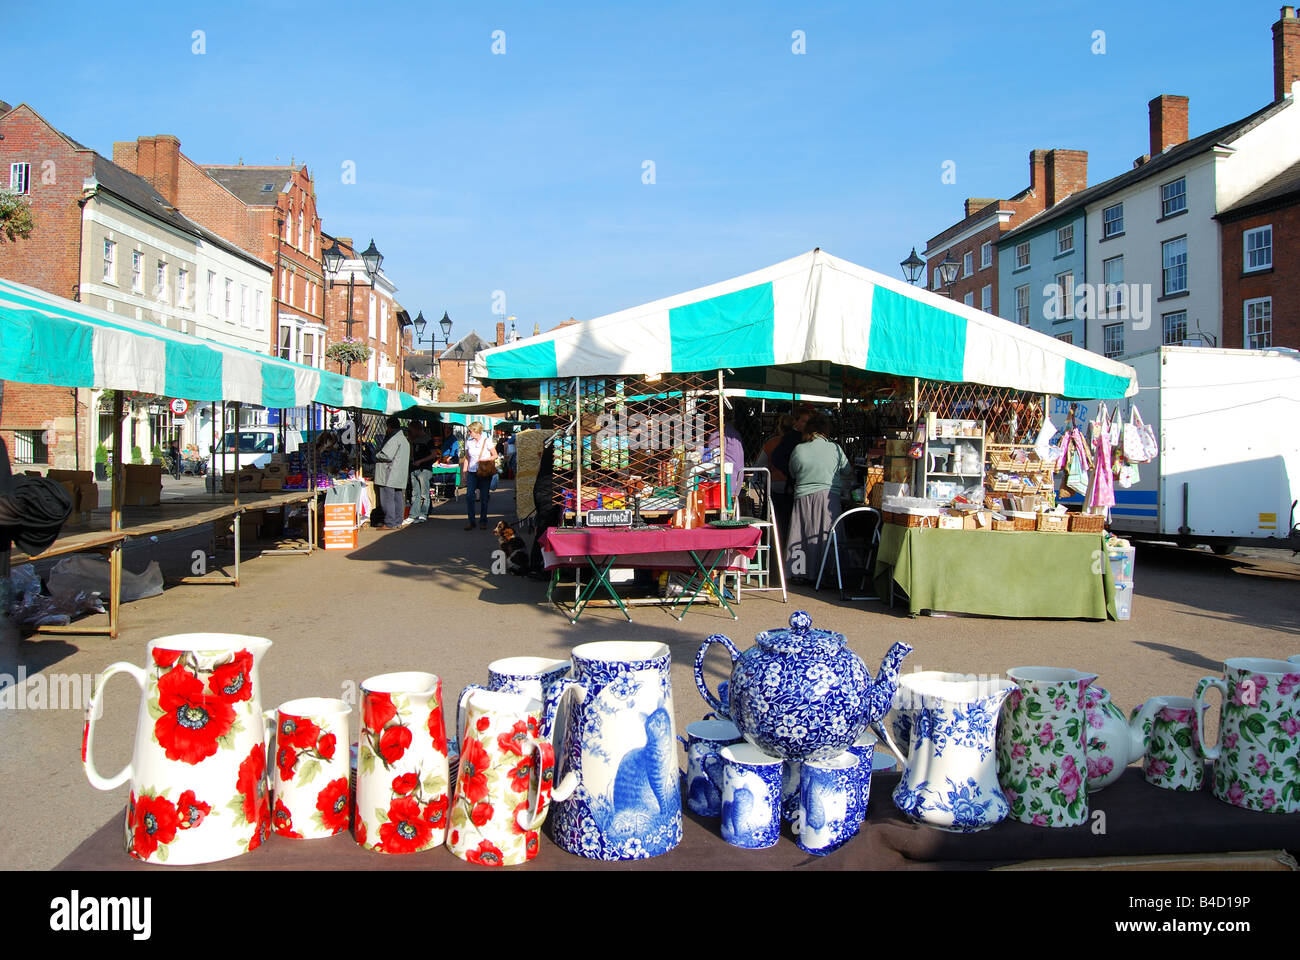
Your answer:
<point x="143" y="484"/>
<point x="271" y="484"/>
<point x="76" y="477"/>
<point x="340" y="516"/>
<point x="87" y="497"/>
<point x="335" y="539"/>
<point x="274" y="469"/>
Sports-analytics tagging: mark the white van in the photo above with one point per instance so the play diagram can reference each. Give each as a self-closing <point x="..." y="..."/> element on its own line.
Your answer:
<point x="255" y="445"/>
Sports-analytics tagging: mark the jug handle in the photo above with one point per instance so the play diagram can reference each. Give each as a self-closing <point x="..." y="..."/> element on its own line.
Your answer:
<point x="92" y="712"/>
<point x="545" y="774"/>
<point x="1210" y="753"/>
<point x="565" y="781"/>
<point x="708" y="696"/>
<point x="460" y="708"/>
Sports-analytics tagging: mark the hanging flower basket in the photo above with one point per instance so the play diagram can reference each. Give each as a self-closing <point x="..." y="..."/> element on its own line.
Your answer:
<point x="348" y="350"/>
<point x="432" y="384"/>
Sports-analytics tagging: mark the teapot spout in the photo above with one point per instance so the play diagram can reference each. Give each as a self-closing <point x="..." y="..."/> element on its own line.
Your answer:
<point x="881" y="695"/>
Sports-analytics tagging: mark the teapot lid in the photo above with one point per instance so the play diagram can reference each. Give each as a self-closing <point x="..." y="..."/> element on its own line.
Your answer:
<point x="799" y="636"/>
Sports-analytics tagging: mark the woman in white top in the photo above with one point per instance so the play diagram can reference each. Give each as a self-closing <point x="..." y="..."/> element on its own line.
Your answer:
<point x="478" y="446"/>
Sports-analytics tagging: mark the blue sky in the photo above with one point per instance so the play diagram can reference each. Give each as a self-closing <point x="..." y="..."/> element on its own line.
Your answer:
<point x="523" y="172"/>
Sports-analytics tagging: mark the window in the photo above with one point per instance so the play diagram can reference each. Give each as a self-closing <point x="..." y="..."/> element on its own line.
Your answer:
<point x="1112" y="221"/>
<point x="1065" y="337"/>
<point x="288" y="224"/>
<point x="1112" y="340"/>
<point x="30" y="447"/>
<point x="311" y="242"/>
<point x="290" y="300"/>
<point x="285" y="348"/>
<point x="259" y="319"/>
<point x="1175" y="265"/>
<point x="137" y="271"/>
<point x="1022" y="305"/>
<point x="371" y="327"/>
<point x="282" y="282"/>
<point x="986" y="298"/>
<point x="967" y="264"/>
<point x="1113" y="278"/>
<point x="160" y="281"/>
<point x="969" y="299"/>
<point x="212" y="292"/>
<point x="299" y="229"/>
<point x="1259" y="324"/>
<point x="1022" y="255"/>
<point x="182" y="288"/>
<point x="383" y="321"/>
<point x="243" y="305"/>
<point x="1064" y="239"/>
<point x="230" y="295"/>
<point x="1257" y="253"/>
<point x="1173" y="197"/>
<point x="20" y="177"/>
<point x="1175" y="328"/>
<point x="1065" y="295"/>
<point x="986" y="254"/>
<point x="110" y="262"/>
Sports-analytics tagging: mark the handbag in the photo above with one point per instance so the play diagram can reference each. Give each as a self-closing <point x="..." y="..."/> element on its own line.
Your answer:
<point x="1043" y="445"/>
<point x="1149" y="445"/>
<point x="487" y="465"/>
<point x="1139" y="439"/>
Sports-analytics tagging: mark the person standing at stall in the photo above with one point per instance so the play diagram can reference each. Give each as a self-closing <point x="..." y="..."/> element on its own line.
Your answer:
<point x="783" y="495"/>
<point x="424" y="453"/>
<point x="820" y="473"/>
<point x="392" y="465"/>
<point x="478" y="449"/>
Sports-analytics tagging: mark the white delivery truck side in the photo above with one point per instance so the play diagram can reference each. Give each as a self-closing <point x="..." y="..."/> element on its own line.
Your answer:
<point x="1228" y="422"/>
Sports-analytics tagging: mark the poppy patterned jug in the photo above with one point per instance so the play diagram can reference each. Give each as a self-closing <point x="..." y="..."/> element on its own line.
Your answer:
<point x="198" y="769"/>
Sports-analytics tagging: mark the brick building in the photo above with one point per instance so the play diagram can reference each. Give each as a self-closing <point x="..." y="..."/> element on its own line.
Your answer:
<point x="377" y="318"/>
<point x="972" y="241"/>
<point x="1261" y="279"/>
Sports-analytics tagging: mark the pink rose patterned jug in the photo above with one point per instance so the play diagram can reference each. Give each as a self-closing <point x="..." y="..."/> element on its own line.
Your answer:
<point x="198" y="770"/>
<point x="1042" y="754"/>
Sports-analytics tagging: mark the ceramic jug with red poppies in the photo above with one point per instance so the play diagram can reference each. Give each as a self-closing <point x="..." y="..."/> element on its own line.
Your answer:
<point x="403" y="775"/>
<point x="198" y="769"/>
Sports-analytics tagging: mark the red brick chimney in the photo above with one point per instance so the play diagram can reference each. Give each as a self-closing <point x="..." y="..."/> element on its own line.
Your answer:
<point x="501" y="333"/>
<point x="158" y="160"/>
<point x="975" y="204"/>
<point x="1168" y="122"/>
<point x="1038" y="173"/>
<point x="1286" y="52"/>
<point x="1067" y="173"/>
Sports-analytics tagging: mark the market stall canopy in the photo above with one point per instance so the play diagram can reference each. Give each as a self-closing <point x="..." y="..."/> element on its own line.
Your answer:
<point x="794" y="324"/>
<point x="48" y="340"/>
<point x="484" y="407"/>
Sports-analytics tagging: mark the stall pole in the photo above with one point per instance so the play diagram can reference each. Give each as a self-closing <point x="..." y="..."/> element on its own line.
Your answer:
<point x="212" y="453"/>
<point x="115" y="517"/>
<point x="577" y="451"/>
<point x="722" y="450"/>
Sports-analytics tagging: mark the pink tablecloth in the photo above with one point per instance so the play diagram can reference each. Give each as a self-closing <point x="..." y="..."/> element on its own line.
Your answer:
<point x="658" y="549"/>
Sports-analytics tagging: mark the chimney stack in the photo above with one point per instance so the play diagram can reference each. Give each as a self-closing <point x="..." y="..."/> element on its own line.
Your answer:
<point x="158" y="160"/>
<point x="1067" y="173"/>
<point x="501" y="332"/>
<point x="975" y="204"/>
<point x="1038" y="173"/>
<point x="1168" y="114"/>
<point x="1286" y="52"/>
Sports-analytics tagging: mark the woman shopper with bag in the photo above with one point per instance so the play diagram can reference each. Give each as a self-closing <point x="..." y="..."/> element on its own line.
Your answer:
<point x="479" y="466"/>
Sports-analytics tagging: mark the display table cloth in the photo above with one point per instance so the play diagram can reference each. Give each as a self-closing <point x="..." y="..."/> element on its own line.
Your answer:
<point x="700" y="552"/>
<point x="996" y="573"/>
<point x="1141" y="820"/>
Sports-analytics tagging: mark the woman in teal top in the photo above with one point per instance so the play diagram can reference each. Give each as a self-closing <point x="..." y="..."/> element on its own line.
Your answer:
<point x="820" y="473"/>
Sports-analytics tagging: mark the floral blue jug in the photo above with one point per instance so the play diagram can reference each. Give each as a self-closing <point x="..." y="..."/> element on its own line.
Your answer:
<point x="802" y="694"/>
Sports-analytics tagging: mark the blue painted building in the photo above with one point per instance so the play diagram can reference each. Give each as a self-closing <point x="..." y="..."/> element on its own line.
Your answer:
<point x="1040" y="263"/>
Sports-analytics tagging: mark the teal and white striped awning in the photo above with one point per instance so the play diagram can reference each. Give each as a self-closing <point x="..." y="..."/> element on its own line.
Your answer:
<point x="48" y="340"/>
<point x="813" y="310"/>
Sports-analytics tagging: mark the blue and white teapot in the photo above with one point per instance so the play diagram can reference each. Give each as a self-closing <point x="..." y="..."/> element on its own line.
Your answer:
<point x="801" y="693"/>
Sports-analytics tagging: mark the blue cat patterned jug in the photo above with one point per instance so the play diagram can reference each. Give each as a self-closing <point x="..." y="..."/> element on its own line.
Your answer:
<point x="802" y="694"/>
<point x="617" y="795"/>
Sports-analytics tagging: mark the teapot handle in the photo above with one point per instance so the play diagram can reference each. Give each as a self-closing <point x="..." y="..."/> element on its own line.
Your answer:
<point x="1210" y="753"/>
<point x="88" y="734"/>
<point x="709" y="698"/>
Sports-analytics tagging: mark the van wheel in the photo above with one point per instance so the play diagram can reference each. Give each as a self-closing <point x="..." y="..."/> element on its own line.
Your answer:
<point x="1223" y="549"/>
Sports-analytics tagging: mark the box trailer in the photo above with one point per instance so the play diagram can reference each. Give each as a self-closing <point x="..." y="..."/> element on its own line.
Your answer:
<point x="1228" y="423"/>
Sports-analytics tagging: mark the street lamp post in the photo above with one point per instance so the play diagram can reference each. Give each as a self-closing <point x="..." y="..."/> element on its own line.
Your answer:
<point x="948" y="271"/>
<point x="444" y="323"/>
<point x="371" y="259"/>
<point x="912" y="267"/>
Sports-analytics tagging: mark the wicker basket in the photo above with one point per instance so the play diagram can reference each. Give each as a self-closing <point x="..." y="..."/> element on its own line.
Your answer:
<point x="1025" y="524"/>
<point x="1006" y="525"/>
<point x="1087" y="522"/>
<point x="1053" y="523"/>
<point x="912" y="520"/>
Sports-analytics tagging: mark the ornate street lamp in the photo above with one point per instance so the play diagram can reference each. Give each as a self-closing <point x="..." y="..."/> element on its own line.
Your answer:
<point x="948" y="271"/>
<point x="912" y="267"/>
<point x="333" y="258"/>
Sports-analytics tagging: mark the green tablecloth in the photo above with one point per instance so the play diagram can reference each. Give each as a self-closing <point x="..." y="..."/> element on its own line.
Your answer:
<point x="998" y="574"/>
